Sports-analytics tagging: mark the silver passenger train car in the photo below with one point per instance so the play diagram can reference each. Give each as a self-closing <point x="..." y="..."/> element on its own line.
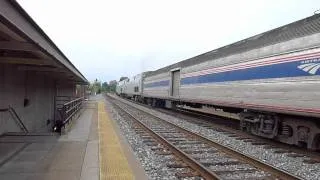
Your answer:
<point x="271" y="79"/>
<point x="120" y="88"/>
<point x="134" y="87"/>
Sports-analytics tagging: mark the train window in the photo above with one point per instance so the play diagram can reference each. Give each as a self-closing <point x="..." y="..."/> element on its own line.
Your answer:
<point x="136" y="89"/>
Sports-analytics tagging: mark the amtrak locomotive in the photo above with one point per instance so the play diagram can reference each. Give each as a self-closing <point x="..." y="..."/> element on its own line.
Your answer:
<point x="271" y="79"/>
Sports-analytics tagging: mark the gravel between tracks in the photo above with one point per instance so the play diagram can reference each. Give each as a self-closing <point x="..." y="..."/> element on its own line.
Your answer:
<point x="293" y="165"/>
<point x="153" y="164"/>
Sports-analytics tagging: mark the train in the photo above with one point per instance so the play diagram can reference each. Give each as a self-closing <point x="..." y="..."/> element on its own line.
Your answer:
<point x="271" y="80"/>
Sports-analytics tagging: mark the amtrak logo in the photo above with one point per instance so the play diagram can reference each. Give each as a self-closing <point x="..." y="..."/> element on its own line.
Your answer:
<point x="311" y="68"/>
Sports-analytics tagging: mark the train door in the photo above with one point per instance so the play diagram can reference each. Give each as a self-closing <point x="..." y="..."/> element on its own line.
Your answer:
<point x="175" y="79"/>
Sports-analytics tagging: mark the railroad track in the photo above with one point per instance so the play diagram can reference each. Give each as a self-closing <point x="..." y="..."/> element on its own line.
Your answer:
<point x="224" y="125"/>
<point x="231" y="129"/>
<point x="197" y="155"/>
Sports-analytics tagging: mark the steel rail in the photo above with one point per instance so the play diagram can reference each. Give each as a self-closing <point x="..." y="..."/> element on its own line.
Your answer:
<point x="199" y="114"/>
<point x="279" y="173"/>
<point x="202" y="170"/>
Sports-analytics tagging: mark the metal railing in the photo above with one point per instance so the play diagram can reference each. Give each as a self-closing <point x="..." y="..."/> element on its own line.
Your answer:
<point x="68" y="111"/>
<point x="16" y="118"/>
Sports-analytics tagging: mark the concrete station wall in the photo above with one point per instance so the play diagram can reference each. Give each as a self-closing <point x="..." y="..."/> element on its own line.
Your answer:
<point x="65" y="89"/>
<point x="38" y="89"/>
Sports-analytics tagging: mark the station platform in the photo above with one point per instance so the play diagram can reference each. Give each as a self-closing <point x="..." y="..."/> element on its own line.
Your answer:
<point x="93" y="148"/>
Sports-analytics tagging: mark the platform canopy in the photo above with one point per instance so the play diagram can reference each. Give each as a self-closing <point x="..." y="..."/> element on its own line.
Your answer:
<point x="24" y="44"/>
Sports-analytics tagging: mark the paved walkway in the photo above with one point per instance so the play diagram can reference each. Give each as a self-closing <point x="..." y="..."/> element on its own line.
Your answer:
<point x="72" y="156"/>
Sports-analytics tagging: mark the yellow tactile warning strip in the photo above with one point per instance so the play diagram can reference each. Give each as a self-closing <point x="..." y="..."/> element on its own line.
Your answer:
<point x="113" y="162"/>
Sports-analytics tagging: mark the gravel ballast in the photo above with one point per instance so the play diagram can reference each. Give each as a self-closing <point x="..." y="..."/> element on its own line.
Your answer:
<point x="154" y="165"/>
<point x="294" y="165"/>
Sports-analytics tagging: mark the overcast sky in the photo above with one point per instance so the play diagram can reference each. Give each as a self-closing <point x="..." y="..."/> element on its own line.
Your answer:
<point x="108" y="39"/>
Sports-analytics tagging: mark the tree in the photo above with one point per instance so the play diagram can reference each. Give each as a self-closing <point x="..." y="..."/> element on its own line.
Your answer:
<point x="105" y="87"/>
<point x="95" y="87"/>
<point x="112" y="85"/>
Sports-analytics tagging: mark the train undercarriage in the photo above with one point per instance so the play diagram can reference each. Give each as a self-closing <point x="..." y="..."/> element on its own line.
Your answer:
<point x="300" y="131"/>
<point x="294" y="130"/>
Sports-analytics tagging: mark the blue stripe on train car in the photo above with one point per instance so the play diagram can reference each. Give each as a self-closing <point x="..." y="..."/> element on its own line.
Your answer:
<point x="289" y="69"/>
<point x="157" y="84"/>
